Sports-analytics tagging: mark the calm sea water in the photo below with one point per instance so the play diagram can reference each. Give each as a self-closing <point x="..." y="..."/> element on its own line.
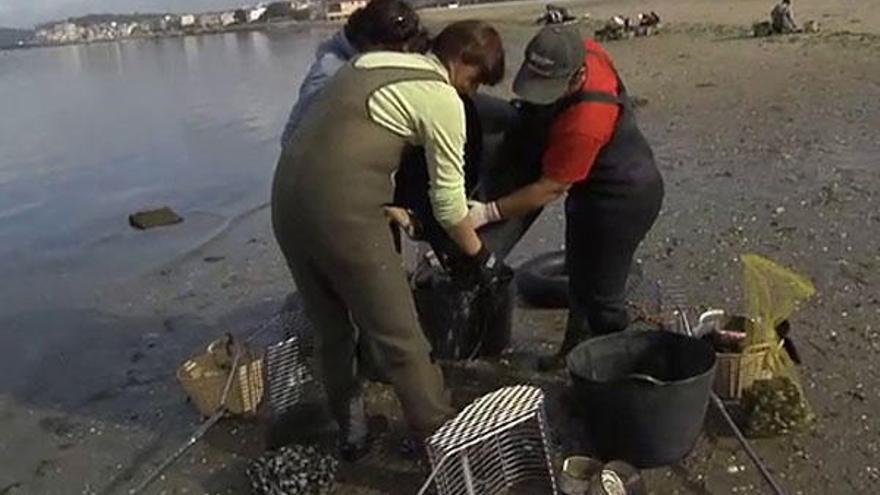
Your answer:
<point x="89" y="134"/>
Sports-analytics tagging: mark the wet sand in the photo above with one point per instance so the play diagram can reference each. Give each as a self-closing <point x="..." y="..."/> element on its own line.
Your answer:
<point x="766" y="145"/>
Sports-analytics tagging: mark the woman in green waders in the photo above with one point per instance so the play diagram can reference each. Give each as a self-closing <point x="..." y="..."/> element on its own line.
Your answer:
<point x="330" y="188"/>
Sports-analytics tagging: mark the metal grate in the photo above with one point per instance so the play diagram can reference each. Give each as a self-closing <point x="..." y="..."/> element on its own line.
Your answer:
<point x="497" y="442"/>
<point x="289" y="377"/>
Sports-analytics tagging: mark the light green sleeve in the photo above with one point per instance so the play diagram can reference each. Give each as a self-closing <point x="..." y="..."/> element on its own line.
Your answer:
<point x="430" y="114"/>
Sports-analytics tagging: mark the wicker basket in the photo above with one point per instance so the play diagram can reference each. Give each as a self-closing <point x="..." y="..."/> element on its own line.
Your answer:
<point x="737" y="371"/>
<point x="204" y="377"/>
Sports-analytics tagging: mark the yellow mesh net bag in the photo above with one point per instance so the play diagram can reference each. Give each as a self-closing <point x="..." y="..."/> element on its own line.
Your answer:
<point x="775" y="403"/>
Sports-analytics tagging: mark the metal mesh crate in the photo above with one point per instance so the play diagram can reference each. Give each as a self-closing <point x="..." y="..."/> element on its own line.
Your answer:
<point x="495" y="443"/>
<point x="289" y="377"/>
<point x="288" y="374"/>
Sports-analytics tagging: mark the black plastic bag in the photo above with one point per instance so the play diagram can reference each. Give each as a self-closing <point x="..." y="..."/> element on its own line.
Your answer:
<point x="461" y="323"/>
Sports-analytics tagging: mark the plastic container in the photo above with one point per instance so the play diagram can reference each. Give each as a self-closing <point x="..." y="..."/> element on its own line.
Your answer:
<point x="642" y="394"/>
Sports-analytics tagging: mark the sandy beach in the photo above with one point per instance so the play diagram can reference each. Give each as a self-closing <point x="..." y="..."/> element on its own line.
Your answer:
<point x="766" y="145"/>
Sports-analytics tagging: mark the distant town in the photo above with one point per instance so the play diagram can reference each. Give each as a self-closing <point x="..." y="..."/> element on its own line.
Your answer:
<point x="114" y="27"/>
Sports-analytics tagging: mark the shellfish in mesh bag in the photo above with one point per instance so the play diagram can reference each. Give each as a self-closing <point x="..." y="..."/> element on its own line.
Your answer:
<point x="775" y="407"/>
<point x="775" y="404"/>
<point x="293" y="470"/>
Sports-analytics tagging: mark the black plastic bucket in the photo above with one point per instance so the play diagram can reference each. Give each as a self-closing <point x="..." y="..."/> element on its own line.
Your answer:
<point x="642" y="395"/>
<point x="464" y="324"/>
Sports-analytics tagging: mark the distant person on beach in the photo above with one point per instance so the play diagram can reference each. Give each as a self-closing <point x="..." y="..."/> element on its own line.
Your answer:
<point x="390" y="25"/>
<point x="331" y="185"/>
<point x="782" y="18"/>
<point x="555" y="15"/>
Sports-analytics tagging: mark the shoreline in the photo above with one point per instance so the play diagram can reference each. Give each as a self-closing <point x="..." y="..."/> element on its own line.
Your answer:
<point x="285" y="25"/>
<point x="730" y="20"/>
<point x="263" y="26"/>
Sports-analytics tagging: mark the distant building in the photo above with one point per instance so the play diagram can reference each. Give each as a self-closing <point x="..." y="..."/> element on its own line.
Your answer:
<point x="209" y="21"/>
<point x="256" y="14"/>
<point x="342" y="9"/>
<point x="72" y="32"/>
<point x="278" y="10"/>
<point x="187" y="21"/>
<point x="169" y="22"/>
<point x="147" y="28"/>
<point x="228" y="18"/>
<point x="127" y="29"/>
<point x="64" y="32"/>
<point x="302" y="10"/>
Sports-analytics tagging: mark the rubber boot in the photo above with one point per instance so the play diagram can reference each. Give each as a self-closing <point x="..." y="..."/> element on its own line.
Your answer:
<point x="576" y="331"/>
<point x="355" y="439"/>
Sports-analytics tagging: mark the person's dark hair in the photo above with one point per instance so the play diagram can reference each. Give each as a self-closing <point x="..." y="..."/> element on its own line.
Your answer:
<point x="474" y="43"/>
<point x="386" y="25"/>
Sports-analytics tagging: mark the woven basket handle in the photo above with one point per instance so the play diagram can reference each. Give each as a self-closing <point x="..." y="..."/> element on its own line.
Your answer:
<point x="222" y="357"/>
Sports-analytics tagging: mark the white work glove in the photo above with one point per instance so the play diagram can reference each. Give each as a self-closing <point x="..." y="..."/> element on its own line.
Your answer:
<point x="483" y="213"/>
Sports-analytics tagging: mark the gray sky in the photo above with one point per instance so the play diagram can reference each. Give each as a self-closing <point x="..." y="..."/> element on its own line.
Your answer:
<point x="26" y="13"/>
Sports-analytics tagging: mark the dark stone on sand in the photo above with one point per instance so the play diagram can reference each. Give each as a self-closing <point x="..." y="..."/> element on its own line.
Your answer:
<point x="154" y="218"/>
<point x="213" y="259"/>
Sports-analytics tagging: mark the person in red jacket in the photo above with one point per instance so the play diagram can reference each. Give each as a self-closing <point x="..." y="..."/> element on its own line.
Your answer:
<point x="593" y="151"/>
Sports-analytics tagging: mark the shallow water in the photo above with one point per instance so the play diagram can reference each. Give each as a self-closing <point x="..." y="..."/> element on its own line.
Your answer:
<point x="93" y="133"/>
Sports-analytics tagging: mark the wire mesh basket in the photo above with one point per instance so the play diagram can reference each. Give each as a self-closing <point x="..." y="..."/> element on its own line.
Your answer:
<point x="494" y="444"/>
<point x="288" y="375"/>
<point x="289" y="378"/>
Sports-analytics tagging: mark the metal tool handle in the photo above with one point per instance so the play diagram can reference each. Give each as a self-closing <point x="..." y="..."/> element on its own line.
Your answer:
<point x="756" y="460"/>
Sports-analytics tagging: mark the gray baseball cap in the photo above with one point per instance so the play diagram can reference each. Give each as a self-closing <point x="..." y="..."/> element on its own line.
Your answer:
<point x="551" y="58"/>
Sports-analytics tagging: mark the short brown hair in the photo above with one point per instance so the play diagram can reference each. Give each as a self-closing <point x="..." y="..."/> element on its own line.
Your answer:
<point x="473" y="42"/>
